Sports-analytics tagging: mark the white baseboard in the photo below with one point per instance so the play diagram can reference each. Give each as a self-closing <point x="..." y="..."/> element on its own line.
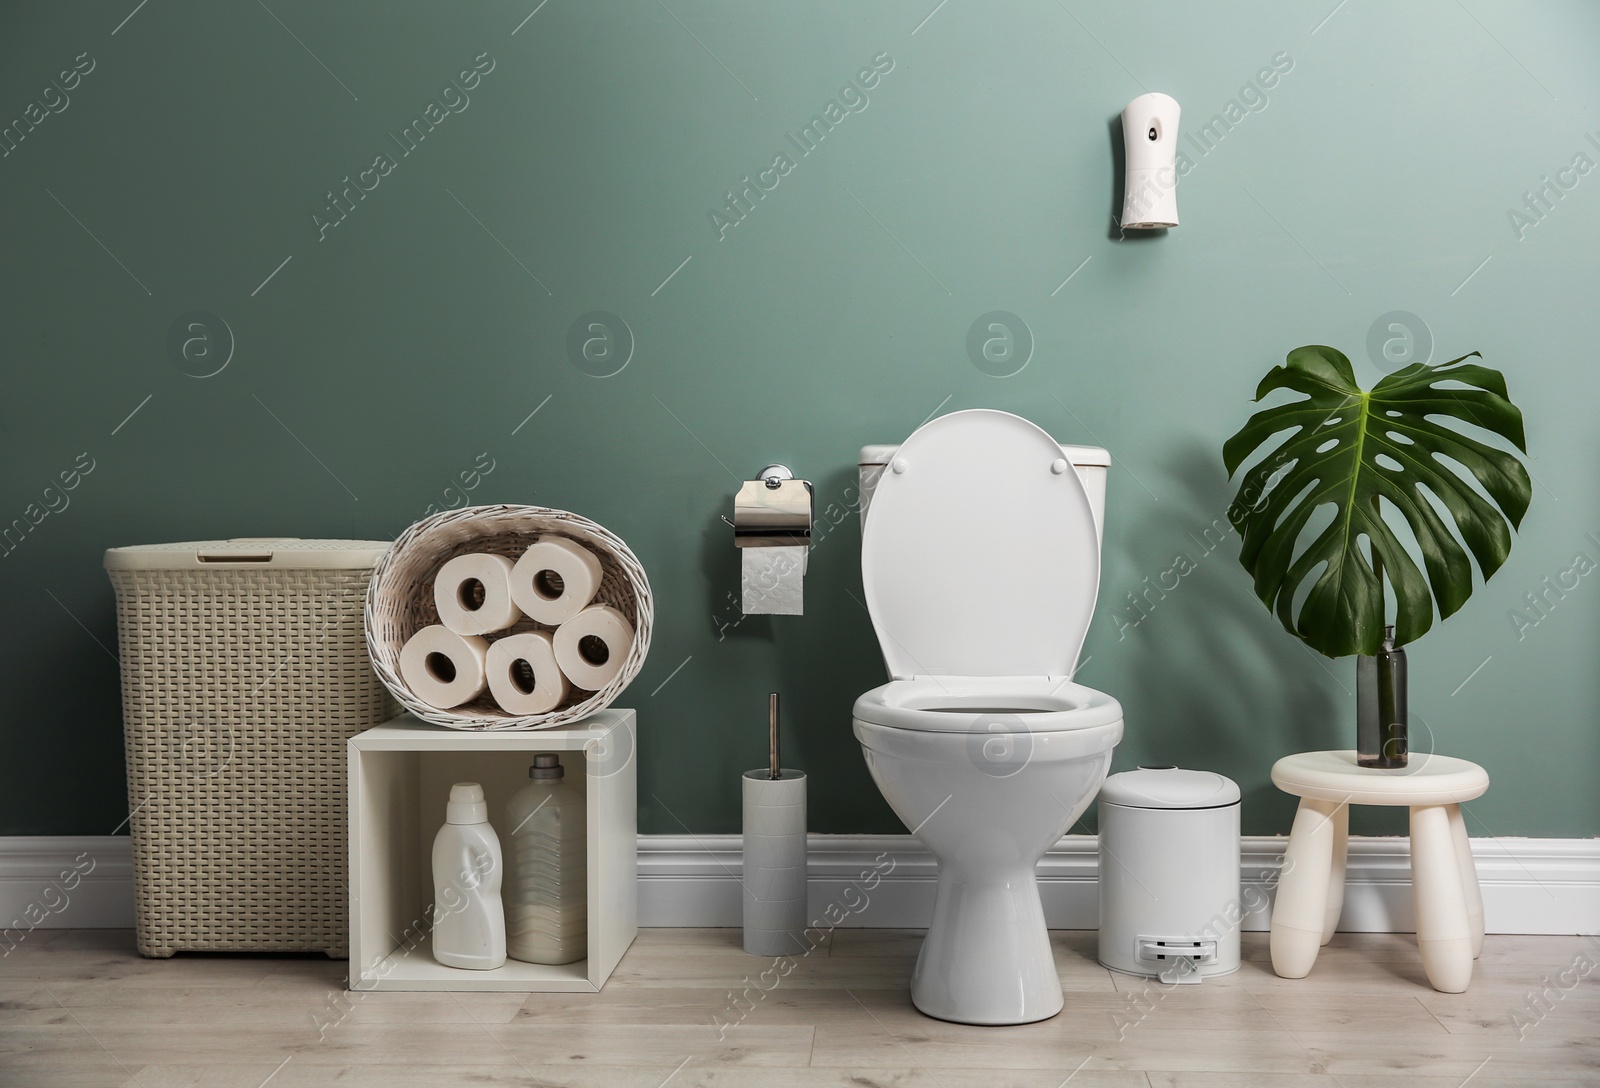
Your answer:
<point x="1529" y="885"/>
<point x="64" y="882"/>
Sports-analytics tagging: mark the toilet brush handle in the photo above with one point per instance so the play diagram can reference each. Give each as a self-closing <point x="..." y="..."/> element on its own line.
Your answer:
<point x="773" y="768"/>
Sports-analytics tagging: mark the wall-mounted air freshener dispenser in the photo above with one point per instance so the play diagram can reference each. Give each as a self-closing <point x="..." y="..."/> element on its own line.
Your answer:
<point x="1150" y="143"/>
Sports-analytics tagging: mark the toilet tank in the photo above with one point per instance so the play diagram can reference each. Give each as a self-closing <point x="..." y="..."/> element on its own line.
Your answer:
<point x="1091" y="462"/>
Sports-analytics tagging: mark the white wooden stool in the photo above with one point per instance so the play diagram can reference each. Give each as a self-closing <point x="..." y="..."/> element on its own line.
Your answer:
<point x="1444" y="880"/>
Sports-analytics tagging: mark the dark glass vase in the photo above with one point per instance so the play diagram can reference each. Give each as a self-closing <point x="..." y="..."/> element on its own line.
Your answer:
<point x="1381" y="706"/>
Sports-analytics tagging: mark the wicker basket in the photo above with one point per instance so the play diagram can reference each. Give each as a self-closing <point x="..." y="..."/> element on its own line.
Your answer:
<point x="244" y="672"/>
<point x="400" y="602"/>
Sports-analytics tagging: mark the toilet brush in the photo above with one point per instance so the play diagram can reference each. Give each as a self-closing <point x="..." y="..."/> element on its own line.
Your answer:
<point x="774" y="853"/>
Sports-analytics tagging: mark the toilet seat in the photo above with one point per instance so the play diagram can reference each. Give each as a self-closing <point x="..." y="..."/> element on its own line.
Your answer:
<point x="980" y="557"/>
<point x="987" y="704"/>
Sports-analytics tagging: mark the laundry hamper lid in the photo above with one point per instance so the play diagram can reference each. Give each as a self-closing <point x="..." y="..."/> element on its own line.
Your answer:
<point x="1169" y="787"/>
<point x="249" y="551"/>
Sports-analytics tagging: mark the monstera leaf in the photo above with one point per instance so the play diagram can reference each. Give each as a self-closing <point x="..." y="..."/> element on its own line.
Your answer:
<point x="1351" y="448"/>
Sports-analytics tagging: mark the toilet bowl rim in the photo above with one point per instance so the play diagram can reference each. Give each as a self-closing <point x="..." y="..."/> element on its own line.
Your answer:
<point x="1088" y="742"/>
<point x="1082" y="708"/>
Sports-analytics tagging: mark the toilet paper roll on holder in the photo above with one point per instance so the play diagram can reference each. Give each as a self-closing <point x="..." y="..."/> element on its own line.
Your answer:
<point x="772" y="511"/>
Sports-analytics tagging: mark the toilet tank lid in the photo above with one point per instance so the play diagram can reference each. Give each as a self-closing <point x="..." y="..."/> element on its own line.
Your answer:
<point x="1169" y="787"/>
<point x="1078" y="455"/>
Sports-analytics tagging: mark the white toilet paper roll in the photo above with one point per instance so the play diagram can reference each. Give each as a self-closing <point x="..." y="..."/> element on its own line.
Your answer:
<point x="555" y="579"/>
<point x="442" y="668"/>
<point x="513" y="662"/>
<point x="473" y="594"/>
<point x="772" y="581"/>
<point x="591" y="646"/>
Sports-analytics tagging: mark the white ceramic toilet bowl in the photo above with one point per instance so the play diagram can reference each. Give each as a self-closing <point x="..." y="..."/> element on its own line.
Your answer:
<point x="988" y="772"/>
<point x="980" y="564"/>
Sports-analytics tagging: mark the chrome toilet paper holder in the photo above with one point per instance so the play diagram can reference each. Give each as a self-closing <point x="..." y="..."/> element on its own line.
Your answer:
<point x="774" y="510"/>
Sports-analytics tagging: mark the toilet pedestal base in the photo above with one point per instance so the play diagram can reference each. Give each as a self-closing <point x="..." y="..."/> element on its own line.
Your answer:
<point x="986" y="958"/>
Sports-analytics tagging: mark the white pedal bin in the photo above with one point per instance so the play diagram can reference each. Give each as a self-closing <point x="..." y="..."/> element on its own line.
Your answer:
<point x="1170" y="903"/>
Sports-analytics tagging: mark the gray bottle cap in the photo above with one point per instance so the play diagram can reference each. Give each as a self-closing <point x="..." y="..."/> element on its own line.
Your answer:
<point x="546" y="768"/>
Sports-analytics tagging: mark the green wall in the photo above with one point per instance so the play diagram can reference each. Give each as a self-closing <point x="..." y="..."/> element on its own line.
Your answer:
<point x="383" y="359"/>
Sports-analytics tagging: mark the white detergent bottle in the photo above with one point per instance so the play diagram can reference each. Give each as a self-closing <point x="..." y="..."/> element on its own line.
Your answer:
<point x="547" y="868"/>
<point x="469" y="923"/>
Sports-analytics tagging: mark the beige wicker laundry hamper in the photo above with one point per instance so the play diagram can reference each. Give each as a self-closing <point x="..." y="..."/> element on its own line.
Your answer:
<point x="244" y="672"/>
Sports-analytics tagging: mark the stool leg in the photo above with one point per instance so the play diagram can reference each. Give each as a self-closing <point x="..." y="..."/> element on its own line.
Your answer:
<point x="1469" y="878"/>
<point x="1341" y="838"/>
<point x="1301" y="908"/>
<point x="1443" y="933"/>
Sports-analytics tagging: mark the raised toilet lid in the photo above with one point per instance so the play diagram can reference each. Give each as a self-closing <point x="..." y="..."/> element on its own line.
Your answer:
<point x="979" y="556"/>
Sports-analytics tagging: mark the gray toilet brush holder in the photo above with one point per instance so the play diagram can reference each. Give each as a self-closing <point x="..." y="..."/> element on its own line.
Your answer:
<point x="774" y="853"/>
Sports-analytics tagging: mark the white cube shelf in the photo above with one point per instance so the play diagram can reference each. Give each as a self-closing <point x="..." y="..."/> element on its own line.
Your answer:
<point x="400" y="777"/>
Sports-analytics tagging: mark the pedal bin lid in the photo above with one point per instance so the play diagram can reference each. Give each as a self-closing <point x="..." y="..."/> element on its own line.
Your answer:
<point x="1169" y="787"/>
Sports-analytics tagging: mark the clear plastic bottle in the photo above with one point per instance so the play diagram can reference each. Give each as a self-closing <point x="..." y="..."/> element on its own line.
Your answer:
<point x="547" y="868"/>
<point x="469" y="926"/>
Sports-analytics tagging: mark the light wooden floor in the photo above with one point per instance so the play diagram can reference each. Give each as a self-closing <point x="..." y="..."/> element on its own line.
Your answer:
<point x="80" y="1008"/>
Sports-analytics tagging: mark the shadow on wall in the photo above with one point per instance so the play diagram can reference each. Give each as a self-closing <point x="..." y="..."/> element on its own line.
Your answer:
<point x="719" y="562"/>
<point x="1217" y="684"/>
